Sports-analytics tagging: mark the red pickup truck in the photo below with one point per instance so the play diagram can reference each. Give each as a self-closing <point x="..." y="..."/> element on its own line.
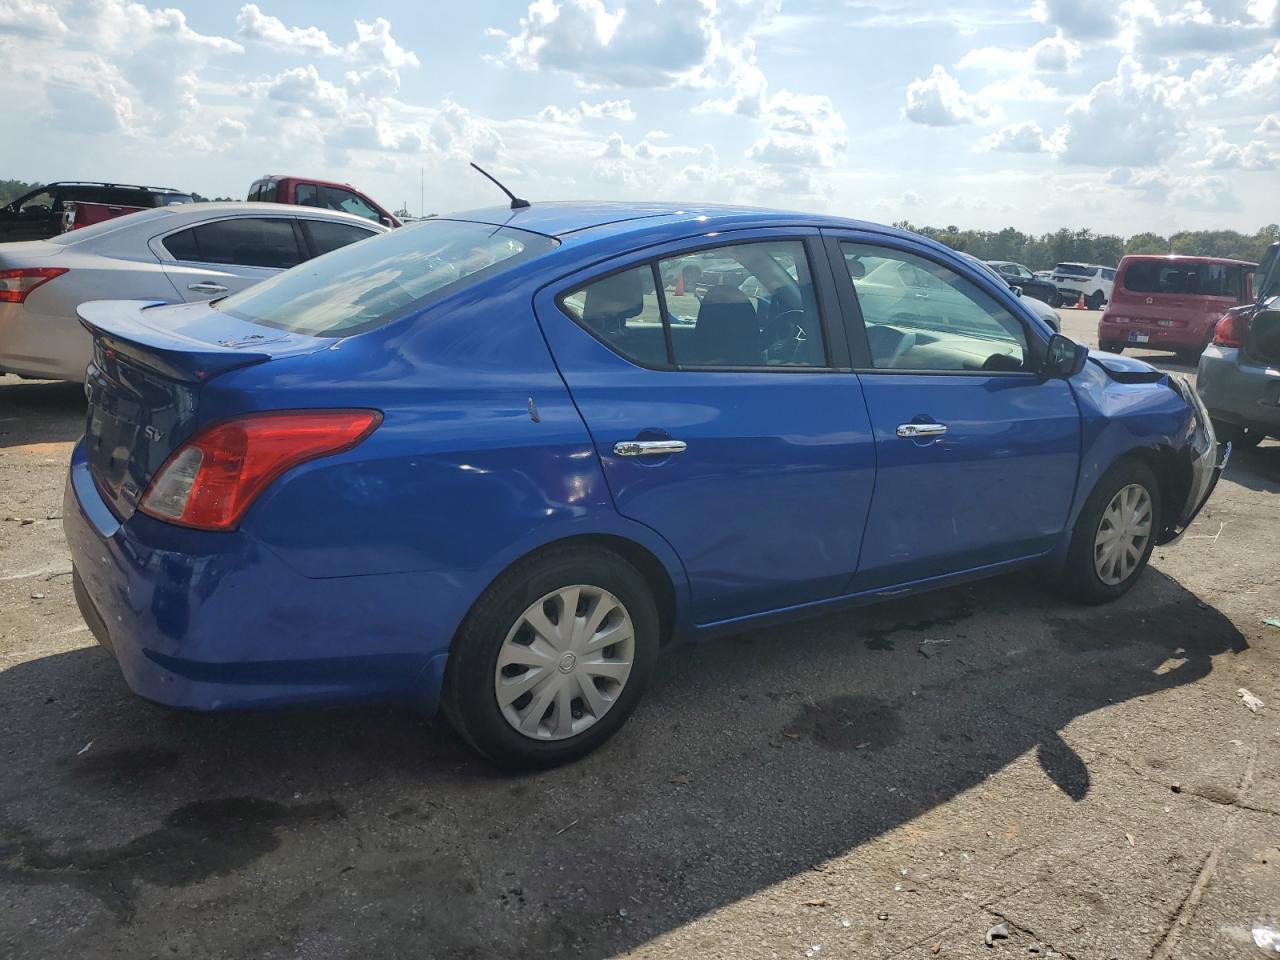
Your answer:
<point x="320" y="193"/>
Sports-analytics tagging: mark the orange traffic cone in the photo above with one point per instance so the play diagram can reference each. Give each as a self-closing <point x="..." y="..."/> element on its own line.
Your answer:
<point x="679" y="291"/>
<point x="1080" y="302"/>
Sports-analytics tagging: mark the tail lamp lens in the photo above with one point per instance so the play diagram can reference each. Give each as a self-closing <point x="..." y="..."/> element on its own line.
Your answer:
<point x="16" y="285"/>
<point x="212" y="479"/>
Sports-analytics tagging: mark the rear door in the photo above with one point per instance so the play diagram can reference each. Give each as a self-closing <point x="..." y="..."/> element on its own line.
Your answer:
<point x="218" y="257"/>
<point x="977" y="453"/>
<point x="724" y="415"/>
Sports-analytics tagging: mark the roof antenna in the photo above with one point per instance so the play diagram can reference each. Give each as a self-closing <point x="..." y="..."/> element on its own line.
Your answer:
<point x="516" y="202"/>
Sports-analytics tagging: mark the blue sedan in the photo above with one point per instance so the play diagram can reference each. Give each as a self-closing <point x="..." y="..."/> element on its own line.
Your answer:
<point x="493" y="463"/>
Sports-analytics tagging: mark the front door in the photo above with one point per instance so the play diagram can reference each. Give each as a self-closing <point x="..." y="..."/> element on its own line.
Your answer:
<point x="978" y="454"/>
<point x="714" y="396"/>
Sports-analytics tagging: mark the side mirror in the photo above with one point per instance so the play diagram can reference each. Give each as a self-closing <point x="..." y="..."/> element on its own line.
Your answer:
<point x="1064" y="358"/>
<point x="1017" y="291"/>
<point x="385" y="221"/>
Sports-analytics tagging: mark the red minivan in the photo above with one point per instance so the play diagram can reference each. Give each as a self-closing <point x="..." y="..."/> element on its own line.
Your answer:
<point x="1172" y="303"/>
<point x="320" y="193"/>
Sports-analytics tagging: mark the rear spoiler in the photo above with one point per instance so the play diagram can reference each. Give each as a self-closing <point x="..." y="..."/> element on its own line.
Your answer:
<point x="121" y="327"/>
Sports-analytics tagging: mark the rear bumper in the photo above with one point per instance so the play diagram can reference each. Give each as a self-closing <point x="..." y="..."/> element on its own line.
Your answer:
<point x="34" y="344"/>
<point x="1239" y="393"/>
<point x="1207" y="461"/>
<point x="1158" y="338"/>
<point x="208" y="621"/>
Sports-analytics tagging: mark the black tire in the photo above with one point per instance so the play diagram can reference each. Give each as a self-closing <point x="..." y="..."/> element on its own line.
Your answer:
<point x="1095" y="300"/>
<point x="1112" y="347"/>
<point x="469" y="700"/>
<point x="1080" y="579"/>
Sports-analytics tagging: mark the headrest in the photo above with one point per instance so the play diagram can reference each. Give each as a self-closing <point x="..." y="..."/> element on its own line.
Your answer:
<point x="616" y="298"/>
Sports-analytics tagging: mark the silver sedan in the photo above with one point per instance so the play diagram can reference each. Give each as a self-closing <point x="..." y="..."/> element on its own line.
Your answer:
<point x="191" y="252"/>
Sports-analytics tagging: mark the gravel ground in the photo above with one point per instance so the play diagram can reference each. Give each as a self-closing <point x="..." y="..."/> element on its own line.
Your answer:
<point x="888" y="783"/>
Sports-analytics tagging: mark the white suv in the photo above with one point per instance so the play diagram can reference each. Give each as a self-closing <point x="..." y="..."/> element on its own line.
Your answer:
<point x="1092" y="280"/>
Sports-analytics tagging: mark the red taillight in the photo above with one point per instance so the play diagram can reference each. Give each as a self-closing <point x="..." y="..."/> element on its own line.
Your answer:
<point x="210" y="481"/>
<point x="1230" y="330"/>
<point x="16" y="285"/>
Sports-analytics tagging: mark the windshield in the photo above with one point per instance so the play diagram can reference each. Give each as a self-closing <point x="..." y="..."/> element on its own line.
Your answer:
<point x="373" y="282"/>
<point x="1187" y="279"/>
<point x="1074" y="270"/>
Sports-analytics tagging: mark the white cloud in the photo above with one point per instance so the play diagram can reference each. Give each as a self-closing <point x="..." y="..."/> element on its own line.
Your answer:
<point x="303" y="92"/>
<point x="229" y="129"/>
<point x="1050" y="55"/>
<point x="612" y="109"/>
<point x="376" y="83"/>
<point x="1134" y="119"/>
<point x="1211" y="193"/>
<point x="1270" y="125"/>
<point x="647" y="43"/>
<point x="1025" y="137"/>
<point x="912" y="199"/>
<point x="30" y="18"/>
<point x="1221" y="154"/>
<point x="938" y="101"/>
<point x="374" y="46"/>
<point x="458" y="133"/>
<point x="253" y="24"/>
<point x="1079" y="19"/>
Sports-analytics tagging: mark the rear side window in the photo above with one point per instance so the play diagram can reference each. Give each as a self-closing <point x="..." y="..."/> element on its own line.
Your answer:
<point x="744" y="305"/>
<point x="244" y="241"/>
<point x="1108" y="274"/>
<point x="366" y="285"/>
<point x="306" y="195"/>
<point x="326" y="236"/>
<point x="1073" y="270"/>
<point x="1170" y="277"/>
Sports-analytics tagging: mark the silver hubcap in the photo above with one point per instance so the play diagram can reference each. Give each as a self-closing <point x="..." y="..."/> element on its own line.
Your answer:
<point x="563" y="665"/>
<point x="1122" y="534"/>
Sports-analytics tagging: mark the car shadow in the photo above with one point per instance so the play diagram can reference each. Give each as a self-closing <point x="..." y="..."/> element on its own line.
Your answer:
<point x="40" y="412"/>
<point x="753" y="759"/>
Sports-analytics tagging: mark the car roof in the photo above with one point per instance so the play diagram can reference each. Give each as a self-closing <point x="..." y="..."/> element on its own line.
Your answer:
<point x="1180" y="258"/>
<point x="590" y="220"/>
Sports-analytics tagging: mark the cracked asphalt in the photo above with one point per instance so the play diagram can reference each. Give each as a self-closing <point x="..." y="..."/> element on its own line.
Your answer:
<point x="892" y="782"/>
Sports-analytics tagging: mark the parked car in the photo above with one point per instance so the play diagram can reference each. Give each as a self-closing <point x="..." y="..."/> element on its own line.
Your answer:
<point x="503" y="486"/>
<point x="38" y="214"/>
<point x="1172" y="303"/>
<point x="1037" y="306"/>
<point x="1239" y="373"/>
<point x="1043" y="274"/>
<point x="1019" y="276"/>
<point x="306" y="192"/>
<point x="178" y="253"/>
<point x="1090" y="280"/>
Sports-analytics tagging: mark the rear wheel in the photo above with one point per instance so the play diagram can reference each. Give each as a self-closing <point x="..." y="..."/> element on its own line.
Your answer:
<point x="553" y="658"/>
<point x="1114" y="534"/>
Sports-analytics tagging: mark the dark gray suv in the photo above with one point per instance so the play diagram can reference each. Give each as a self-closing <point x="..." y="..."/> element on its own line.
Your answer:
<point x="1239" y="374"/>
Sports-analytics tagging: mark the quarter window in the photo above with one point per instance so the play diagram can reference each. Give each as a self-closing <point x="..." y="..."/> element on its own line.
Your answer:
<point x="744" y="305"/>
<point x="245" y="241"/>
<point x="920" y="315"/>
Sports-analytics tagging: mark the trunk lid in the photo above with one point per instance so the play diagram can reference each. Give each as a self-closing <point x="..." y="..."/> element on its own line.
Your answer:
<point x="151" y="366"/>
<point x="1262" y="341"/>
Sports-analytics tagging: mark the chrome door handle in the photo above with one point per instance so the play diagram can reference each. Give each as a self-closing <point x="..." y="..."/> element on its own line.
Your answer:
<point x="206" y="287"/>
<point x="914" y="431"/>
<point x="649" y="448"/>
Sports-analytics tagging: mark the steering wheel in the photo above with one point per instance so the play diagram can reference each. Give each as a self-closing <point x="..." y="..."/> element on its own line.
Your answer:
<point x="783" y="330"/>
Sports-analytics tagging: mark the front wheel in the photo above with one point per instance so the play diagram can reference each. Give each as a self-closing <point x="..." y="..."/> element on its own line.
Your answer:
<point x="1114" y="534"/>
<point x="1095" y="300"/>
<point x="553" y="658"/>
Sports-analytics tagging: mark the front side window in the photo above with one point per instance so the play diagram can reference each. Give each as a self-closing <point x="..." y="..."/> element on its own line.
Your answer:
<point x="346" y="201"/>
<point x="742" y="305"/>
<point x="37" y="205"/>
<point x="920" y="315"/>
<point x="366" y="285"/>
<point x="243" y="241"/>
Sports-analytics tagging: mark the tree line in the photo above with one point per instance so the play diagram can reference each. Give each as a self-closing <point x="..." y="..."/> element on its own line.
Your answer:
<point x="1085" y="246"/>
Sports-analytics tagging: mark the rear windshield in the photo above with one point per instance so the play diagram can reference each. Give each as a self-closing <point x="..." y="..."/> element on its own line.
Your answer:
<point x="1187" y="279"/>
<point x="1075" y="270"/>
<point x="369" y="284"/>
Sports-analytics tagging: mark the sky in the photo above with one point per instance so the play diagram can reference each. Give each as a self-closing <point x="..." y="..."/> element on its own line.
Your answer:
<point x="1118" y="115"/>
